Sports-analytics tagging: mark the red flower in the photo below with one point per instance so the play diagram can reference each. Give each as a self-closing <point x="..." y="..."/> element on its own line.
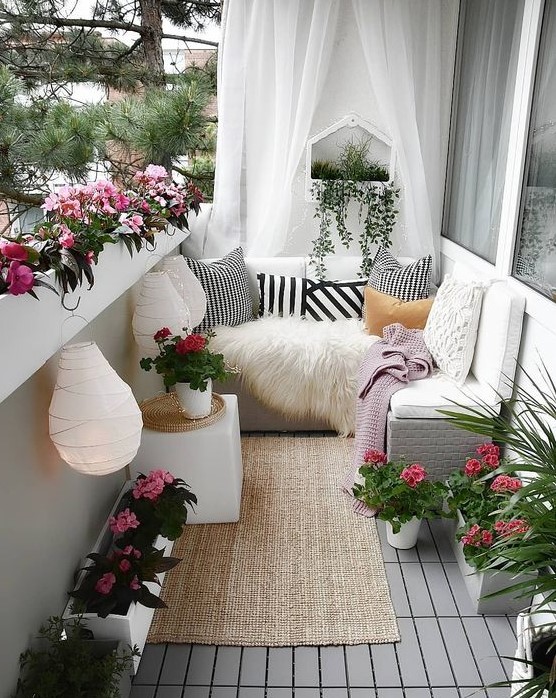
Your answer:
<point x="505" y="483"/>
<point x="472" y="467"/>
<point x="193" y="342"/>
<point x="20" y="279"/>
<point x="413" y="474"/>
<point x="486" y="449"/>
<point x="373" y="455"/>
<point x="14" y="251"/>
<point x="511" y="528"/>
<point x="162" y="334"/>
<point x="492" y="460"/>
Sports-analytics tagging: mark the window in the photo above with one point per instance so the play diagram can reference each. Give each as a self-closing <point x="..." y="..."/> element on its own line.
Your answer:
<point x="488" y="43"/>
<point x="535" y="253"/>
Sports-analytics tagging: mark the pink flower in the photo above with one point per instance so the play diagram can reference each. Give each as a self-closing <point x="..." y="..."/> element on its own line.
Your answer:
<point x="511" y="528"/>
<point x="163" y="475"/>
<point x="486" y="449"/>
<point x="13" y="251"/>
<point x="105" y="583"/>
<point x="492" y="460"/>
<point x="373" y="455"/>
<point x="472" y="467"/>
<point x="125" y="565"/>
<point x="193" y="342"/>
<point x="124" y="521"/>
<point x="413" y="474"/>
<point x="505" y="483"/>
<point x="162" y="334"/>
<point x="67" y="239"/>
<point x="20" y="279"/>
<point x="130" y="550"/>
<point x="90" y="257"/>
<point x="486" y="538"/>
<point x="477" y="537"/>
<point x="134" y="584"/>
<point x="133" y="222"/>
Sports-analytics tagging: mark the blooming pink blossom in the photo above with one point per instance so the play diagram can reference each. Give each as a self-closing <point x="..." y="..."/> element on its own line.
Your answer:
<point x="492" y="460"/>
<point x="163" y="333"/>
<point x="373" y="455"/>
<point x="14" y="251"/>
<point x="135" y="584"/>
<point x="511" y="528"/>
<point x="134" y="222"/>
<point x="488" y="448"/>
<point x="486" y="538"/>
<point x="478" y="537"/>
<point x="20" y="278"/>
<point x="129" y="550"/>
<point x="152" y="486"/>
<point x="123" y="522"/>
<point x="505" y="483"/>
<point x="125" y="565"/>
<point x="67" y="239"/>
<point x="472" y="467"/>
<point x="413" y="474"/>
<point x="90" y="257"/>
<point x="105" y="583"/>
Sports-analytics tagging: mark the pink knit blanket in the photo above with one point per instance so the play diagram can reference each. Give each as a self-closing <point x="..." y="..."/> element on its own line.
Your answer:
<point x="388" y="365"/>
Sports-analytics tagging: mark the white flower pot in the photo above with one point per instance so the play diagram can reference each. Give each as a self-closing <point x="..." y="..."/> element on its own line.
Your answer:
<point x="408" y="535"/>
<point x="194" y="403"/>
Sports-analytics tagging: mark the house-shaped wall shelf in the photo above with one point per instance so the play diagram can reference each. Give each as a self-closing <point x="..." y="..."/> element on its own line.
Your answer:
<point x="327" y="144"/>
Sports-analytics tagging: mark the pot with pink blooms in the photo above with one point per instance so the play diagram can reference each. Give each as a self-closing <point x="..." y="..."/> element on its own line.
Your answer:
<point x="401" y="494"/>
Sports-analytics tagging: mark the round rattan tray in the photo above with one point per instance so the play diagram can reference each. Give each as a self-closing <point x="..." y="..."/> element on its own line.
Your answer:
<point x="163" y="413"/>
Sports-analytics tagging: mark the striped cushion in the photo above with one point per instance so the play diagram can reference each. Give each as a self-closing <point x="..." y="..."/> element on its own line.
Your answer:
<point x="318" y="300"/>
<point x="408" y="283"/>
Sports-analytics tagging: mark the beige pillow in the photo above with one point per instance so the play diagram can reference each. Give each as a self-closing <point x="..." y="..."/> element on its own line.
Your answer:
<point x="382" y="310"/>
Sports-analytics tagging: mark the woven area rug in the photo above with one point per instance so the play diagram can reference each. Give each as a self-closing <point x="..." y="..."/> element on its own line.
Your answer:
<point x="299" y="568"/>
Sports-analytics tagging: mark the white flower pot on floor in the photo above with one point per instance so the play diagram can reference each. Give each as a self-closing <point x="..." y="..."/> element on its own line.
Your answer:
<point x="194" y="403"/>
<point x="407" y="536"/>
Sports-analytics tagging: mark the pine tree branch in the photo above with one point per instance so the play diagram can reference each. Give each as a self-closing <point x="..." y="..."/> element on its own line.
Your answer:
<point x="190" y="39"/>
<point x="20" y="197"/>
<point x="77" y="22"/>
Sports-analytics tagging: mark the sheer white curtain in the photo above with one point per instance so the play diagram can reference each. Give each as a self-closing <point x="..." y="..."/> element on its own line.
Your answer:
<point x="273" y="62"/>
<point x="401" y="42"/>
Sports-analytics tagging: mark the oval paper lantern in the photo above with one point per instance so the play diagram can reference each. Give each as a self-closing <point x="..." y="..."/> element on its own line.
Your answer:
<point x="159" y="305"/>
<point x="188" y="286"/>
<point x="94" y="420"/>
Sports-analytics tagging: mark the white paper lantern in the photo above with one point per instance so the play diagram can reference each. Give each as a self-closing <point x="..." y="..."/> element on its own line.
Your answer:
<point x="188" y="286"/>
<point x="94" y="420"/>
<point x="159" y="305"/>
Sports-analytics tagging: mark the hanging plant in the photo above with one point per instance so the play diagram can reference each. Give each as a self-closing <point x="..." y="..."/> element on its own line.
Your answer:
<point x="352" y="178"/>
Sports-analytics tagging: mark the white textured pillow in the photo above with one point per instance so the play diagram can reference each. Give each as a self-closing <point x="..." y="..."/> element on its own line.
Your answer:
<point x="451" y="329"/>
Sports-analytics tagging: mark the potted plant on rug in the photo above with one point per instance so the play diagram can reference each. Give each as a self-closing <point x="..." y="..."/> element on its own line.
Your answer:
<point x="67" y="662"/>
<point x="401" y="495"/>
<point x="188" y="364"/>
<point x="478" y="496"/>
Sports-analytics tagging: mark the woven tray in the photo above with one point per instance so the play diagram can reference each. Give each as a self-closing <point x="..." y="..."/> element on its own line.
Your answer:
<point x="163" y="413"/>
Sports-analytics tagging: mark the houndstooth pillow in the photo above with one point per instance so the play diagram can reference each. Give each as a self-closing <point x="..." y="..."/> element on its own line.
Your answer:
<point x="409" y="283"/>
<point x="226" y="285"/>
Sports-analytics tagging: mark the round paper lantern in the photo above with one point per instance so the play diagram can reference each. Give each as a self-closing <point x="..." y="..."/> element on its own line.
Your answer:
<point x="188" y="286"/>
<point x="94" y="420"/>
<point x="159" y="305"/>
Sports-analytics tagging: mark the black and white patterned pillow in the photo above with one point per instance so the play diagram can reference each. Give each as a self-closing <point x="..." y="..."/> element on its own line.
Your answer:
<point x="226" y="285"/>
<point x="318" y="300"/>
<point x="408" y="283"/>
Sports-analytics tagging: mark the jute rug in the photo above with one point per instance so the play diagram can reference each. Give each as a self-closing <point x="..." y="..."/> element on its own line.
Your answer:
<point x="299" y="568"/>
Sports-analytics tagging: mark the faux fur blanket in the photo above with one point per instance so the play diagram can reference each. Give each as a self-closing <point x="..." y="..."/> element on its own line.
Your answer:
<point x="300" y="368"/>
<point x="387" y="366"/>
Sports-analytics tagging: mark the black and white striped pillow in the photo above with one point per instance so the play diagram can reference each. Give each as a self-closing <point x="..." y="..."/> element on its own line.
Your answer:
<point x="408" y="283"/>
<point x="226" y="285"/>
<point x="318" y="300"/>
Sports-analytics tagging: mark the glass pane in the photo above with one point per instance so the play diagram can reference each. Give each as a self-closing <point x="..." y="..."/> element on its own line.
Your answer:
<point x="488" y="45"/>
<point x="535" y="256"/>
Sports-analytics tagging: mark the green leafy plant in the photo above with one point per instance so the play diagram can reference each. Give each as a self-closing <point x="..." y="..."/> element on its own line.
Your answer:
<point x="186" y="360"/>
<point x="354" y="163"/>
<point x="66" y="663"/>
<point x="324" y="169"/>
<point x="398" y="491"/>
<point x="525" y="426"/>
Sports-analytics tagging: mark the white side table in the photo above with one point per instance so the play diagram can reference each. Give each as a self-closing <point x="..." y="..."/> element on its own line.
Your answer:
<point x="208" y="459"/>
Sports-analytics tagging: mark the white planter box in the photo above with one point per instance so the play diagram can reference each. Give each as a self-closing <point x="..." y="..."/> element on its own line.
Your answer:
<point x="482" y="583"/>
<point x="114" y="274"/>
<point x="133" y="627"/>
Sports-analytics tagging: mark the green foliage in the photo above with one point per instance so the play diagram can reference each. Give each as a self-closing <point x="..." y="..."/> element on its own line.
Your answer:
<point x="385" y="489"/>
<point x="70" y="667"/>
<point x="354" y="163"/>
<point x="324" y="169"/>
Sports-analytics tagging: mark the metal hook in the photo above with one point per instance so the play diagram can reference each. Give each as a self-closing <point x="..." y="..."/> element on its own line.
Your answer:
<point x="71" y="310"/>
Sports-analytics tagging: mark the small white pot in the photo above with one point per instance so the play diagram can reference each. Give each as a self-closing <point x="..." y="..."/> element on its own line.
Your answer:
<point x="408" y="535"/>
<point x="194" y="403"/>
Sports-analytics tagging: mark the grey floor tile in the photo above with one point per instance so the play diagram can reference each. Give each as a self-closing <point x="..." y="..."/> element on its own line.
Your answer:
<point x="444" y="693"/>
<point x="275" y="692"/>
<point x="397" y="589"/>
<point x="150" y="665"/>
<point x="417" y="591"/>
<point x="253" y="666"/>
<point x="174" y="667"/>
<point x="499" y="692"/>
<point x="473" y="692"/>
<point x="361" y="693"/>
<point x="250" y="692"/>
<point x="201" y="665"/>
<point x="457" y="647"/>
<point x="417" y="693"/>
<point x="459" y="590"/>
<point x="223" y="692"/>
<point x="426" y="547"/>
<point x="226" y="668"/>
<point x="142" y="692"/>
<point x="439" y="589"/>
<point x="434" y="654"/>
<point x="335" y="693"/>
<point x="385" y="664"/>
<point x="280" y="666"/>
<point x="195" y="692"/>
<point x="359" y="668"/>
<point x="389" y="693"/>
<point x="483" y="648"/>
<point x="306" y="666"/>
<point x="442" y="540"/>
<point x="307" y="692"/>
<point x="409" y="655"/>
<point x="409" y="555"/>
<point x="504" y="640"/>
<point x="332" y="666"/>
<point x="169" y="692"/>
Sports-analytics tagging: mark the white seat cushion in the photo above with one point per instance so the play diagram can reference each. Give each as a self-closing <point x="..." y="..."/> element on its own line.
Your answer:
<point x="421" y="399"/>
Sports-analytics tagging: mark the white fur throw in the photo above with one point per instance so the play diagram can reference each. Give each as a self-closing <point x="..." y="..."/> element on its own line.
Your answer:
<point x="299" y="367"/>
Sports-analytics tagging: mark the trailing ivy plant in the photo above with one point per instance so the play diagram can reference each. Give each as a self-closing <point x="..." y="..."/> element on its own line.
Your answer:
<point x="352" y="178"/>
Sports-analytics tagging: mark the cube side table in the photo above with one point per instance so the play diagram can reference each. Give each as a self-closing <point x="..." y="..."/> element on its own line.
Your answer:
<point x="208" y="459"/>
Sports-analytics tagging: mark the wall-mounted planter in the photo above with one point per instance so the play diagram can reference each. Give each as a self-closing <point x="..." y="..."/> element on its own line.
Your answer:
<point x="34" y="330"/>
